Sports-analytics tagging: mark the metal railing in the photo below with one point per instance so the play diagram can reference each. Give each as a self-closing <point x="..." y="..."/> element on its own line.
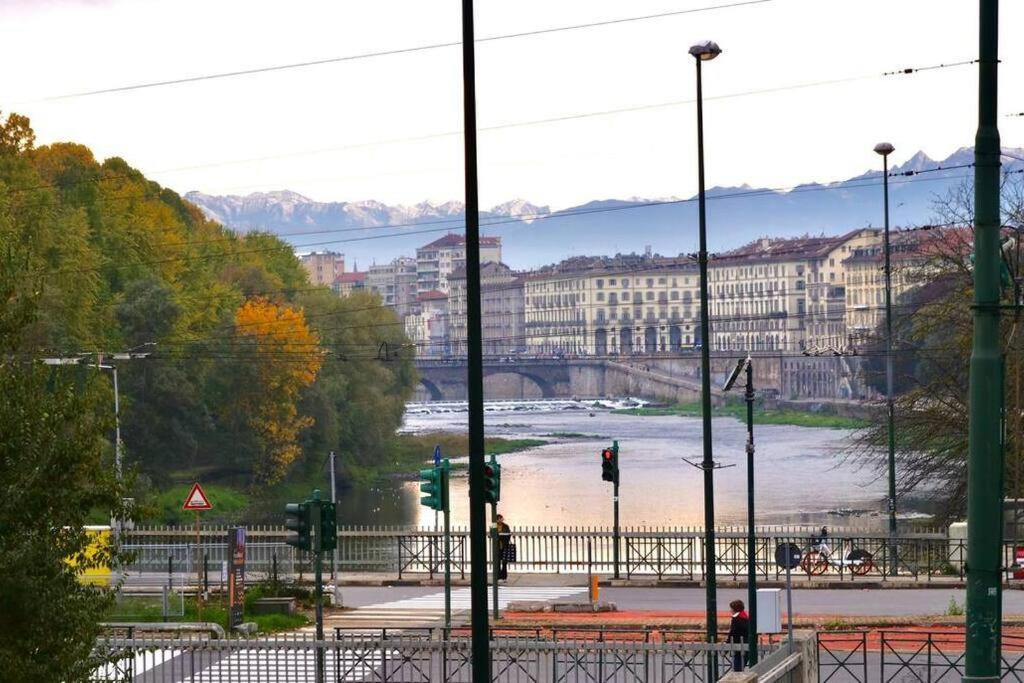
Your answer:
<point x="404" y="660"/>
<point x="664" y="553"/>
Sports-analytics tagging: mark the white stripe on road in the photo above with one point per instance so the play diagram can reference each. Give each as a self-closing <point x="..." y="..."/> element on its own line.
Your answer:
<point x="140" y="663"/>
<point x="291" y="666"/>
<point x="461" y="597"/>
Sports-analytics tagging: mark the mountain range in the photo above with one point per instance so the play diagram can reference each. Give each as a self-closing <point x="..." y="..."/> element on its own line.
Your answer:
<point x="371" y="231"/>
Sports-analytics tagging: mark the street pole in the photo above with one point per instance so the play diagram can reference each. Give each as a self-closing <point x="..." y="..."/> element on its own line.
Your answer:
<point x="480" y="657"/>
<point x="616" y="532"/>
<point x="318" y="579"/>
<point x="751" y="540"/>
<point x="495" y="559"/>
<point x="334" y="553"/>
<point x="445" y="469"/>
<point x="117" y="423"/>
<point x="985" y="463"/>
<point x="702" y="52"/>
<point x="885" y="149"/>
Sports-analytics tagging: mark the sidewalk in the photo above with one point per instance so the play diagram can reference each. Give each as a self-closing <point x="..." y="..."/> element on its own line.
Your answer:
<point x="647" y="581"/>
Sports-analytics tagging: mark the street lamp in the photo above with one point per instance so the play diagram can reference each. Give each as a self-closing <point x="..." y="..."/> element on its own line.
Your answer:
<point x="885" y="149"/>
<point x="746" y="365"/>
<point x="704" y="52"/>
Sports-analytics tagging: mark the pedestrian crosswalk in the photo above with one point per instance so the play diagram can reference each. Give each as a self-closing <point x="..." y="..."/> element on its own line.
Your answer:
<point x="293" y="666"/>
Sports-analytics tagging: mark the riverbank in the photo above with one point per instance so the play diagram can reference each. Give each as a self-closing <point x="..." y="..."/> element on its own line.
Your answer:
<point x="738" y="410"/>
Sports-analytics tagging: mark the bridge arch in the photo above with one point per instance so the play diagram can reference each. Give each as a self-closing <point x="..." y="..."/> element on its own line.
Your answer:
<point x="435" y="392"/>
<point x="545" y="387"/>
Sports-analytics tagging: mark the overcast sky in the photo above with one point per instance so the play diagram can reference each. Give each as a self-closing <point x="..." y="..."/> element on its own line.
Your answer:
<point x="342" y="131"/>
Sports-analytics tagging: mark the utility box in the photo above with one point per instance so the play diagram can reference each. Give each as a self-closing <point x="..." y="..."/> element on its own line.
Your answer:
<point x="769" y="610"/>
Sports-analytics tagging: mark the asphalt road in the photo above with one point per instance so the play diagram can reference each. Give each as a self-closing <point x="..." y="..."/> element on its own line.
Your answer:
<point x="853" y="602"/>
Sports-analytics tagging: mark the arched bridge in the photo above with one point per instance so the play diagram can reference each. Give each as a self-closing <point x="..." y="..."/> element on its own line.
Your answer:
<point x="445" y="380"/>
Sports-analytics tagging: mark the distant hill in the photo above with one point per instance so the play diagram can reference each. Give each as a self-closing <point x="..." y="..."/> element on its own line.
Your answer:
<point x="534" y="235"/>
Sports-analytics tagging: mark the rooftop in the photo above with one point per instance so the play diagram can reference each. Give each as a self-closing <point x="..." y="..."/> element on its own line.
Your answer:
<point x="455" y="240"/>
<point x="787" y="248"/>
<point x="432" y="295"/>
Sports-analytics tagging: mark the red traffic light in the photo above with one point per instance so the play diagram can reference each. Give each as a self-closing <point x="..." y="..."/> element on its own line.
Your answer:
<point x="607" y="454"/>
<point x="488" y="471"/>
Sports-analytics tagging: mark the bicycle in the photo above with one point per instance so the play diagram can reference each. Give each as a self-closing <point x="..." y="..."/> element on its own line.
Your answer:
<point x="818" y="557"/>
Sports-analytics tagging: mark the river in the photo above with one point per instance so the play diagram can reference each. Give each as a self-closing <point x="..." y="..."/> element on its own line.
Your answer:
<point x="801" y="476"/>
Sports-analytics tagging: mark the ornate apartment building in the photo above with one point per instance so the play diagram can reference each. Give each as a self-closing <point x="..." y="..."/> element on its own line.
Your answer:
<point x="612" y="305"/>
<point x="323" y="267"/>
<point x="501" y="310"/>
<point x="783" y="294"/>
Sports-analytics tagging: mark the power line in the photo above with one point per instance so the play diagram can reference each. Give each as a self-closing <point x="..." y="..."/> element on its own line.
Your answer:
<point x="396" y="51"/>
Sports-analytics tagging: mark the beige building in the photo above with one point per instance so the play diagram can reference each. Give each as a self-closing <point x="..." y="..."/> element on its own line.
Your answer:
<point x="501" y="310"/>
<point x="439" y="259"/>
<point x="395" y="282"/>
<point x="347" y="283"/>
<point x="323" y="267"/>
<point x="612" y="305"/>
<point x="786" y="295"/>
<point x="427" y="328"/>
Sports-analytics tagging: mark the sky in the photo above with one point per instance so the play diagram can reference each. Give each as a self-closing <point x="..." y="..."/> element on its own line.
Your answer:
<point x="387" y="127"/>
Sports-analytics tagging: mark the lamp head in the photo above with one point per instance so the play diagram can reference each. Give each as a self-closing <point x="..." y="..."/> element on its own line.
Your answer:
<point x="706" y="50"/>
<point x="884" y="148"/>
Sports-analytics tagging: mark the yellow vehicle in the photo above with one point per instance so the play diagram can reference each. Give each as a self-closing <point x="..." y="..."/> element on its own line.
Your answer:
<point x="99" y="539"/>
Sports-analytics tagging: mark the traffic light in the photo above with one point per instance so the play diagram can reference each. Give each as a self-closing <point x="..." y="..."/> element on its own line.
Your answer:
<point x="432" y="484"/>
<point x="610" y="464"/>
<point x="492" y="481"/>
<point x="299" y="523"/>
<point x="328" y="527"/>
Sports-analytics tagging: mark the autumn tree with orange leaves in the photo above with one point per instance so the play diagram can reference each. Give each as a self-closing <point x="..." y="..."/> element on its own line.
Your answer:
<point x="279" y="357"/>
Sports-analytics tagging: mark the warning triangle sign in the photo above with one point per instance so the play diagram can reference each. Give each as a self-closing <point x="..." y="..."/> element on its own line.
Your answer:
<point x="196" y="499"/>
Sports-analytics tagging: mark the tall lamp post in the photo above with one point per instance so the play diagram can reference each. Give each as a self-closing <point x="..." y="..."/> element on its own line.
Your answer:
<point x="885" y="149"/>
<point x="704" y="52"/>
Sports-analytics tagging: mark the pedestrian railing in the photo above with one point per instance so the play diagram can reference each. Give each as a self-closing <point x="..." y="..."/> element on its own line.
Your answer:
<point x="406" y="660"/>
<point x="664" y="553"/>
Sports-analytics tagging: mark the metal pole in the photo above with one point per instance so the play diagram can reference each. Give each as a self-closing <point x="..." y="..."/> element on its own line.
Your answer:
<point x="708" y="463"/>
<point x="615" y="506"/>
<point x="889" y="404"/>
<point x="318" y="585"/>
<point x="495" y="559"/>
<point x="751" y="540"/>
<point x="199" y="582"/>
<point x="789" y="607"/>
<point x="985" y="464"/>
<point x="334" y="553"/>
<point x="481" y="659"/>
<point x="117" y="426"/>
<point x="447" y="552"/>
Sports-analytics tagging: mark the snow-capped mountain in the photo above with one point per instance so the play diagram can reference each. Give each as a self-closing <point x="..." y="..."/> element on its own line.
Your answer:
<point x="533" y="235"/>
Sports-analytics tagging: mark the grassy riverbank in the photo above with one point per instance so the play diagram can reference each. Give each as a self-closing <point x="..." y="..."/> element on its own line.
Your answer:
<point x="797" y="418"/>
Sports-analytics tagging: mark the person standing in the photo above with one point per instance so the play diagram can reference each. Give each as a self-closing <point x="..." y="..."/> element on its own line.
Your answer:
<point x="504" y="548"/>
<point x="739" y="629"/>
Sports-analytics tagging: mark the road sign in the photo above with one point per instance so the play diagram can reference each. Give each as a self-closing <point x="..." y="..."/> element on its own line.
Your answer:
<point x="788" y="555"/>
<point x="437" y="456"/>
<point x="196" y="499"/>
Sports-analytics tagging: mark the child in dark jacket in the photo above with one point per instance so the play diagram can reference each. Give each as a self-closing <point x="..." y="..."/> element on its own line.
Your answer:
<point x="739" y="631"/>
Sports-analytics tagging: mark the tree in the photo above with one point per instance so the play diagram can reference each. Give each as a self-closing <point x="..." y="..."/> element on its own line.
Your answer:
<point x="279" y="357"/>
<point x="934" y="347"/>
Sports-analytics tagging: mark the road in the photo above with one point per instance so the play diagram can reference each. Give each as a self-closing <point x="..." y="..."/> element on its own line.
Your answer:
<point x="852" y="602"/>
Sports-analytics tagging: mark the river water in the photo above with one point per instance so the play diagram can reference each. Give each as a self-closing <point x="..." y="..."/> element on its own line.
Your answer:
<point x="801" y="476"/>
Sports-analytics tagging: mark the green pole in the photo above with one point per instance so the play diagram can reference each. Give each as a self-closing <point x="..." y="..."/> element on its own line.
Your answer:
<point x="318" y="580"/>
<point x="481" y="657"/>
<point x="985" y="466"/>
<point x="751" y="538"/>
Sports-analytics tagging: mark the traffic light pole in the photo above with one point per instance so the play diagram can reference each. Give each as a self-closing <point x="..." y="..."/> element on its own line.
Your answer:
<point x="495" y="554"/>
<point x="318" y="585"/>
<point x="615" y="511"/>
<point x="751" y="539"/>
<point x="447" y="551"/>
<point x="985" y="463"/>
<point x="481" y="656"/>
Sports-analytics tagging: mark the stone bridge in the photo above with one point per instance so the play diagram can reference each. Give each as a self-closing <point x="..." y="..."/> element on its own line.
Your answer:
<point x="523" y="378"/>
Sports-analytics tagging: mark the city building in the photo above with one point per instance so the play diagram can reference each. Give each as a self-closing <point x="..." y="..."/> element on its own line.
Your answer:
<point x="786" y="295"/>
<point x="347" y="283"/>
<point x="427" y="327"/>
<point x="437" y="260"/>
<point x="395" y="282"/>
<point x="501" y="306"/>
<point x="613" y="306"/>
<point x="323" y="267"/>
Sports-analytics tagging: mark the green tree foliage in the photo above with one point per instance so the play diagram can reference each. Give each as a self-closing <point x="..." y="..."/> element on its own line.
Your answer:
<point x="115" y="262"/>
<point x="932" y="341"/>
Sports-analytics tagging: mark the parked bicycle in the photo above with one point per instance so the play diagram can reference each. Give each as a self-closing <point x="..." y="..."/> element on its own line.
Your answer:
<point x="818" y="558"/>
